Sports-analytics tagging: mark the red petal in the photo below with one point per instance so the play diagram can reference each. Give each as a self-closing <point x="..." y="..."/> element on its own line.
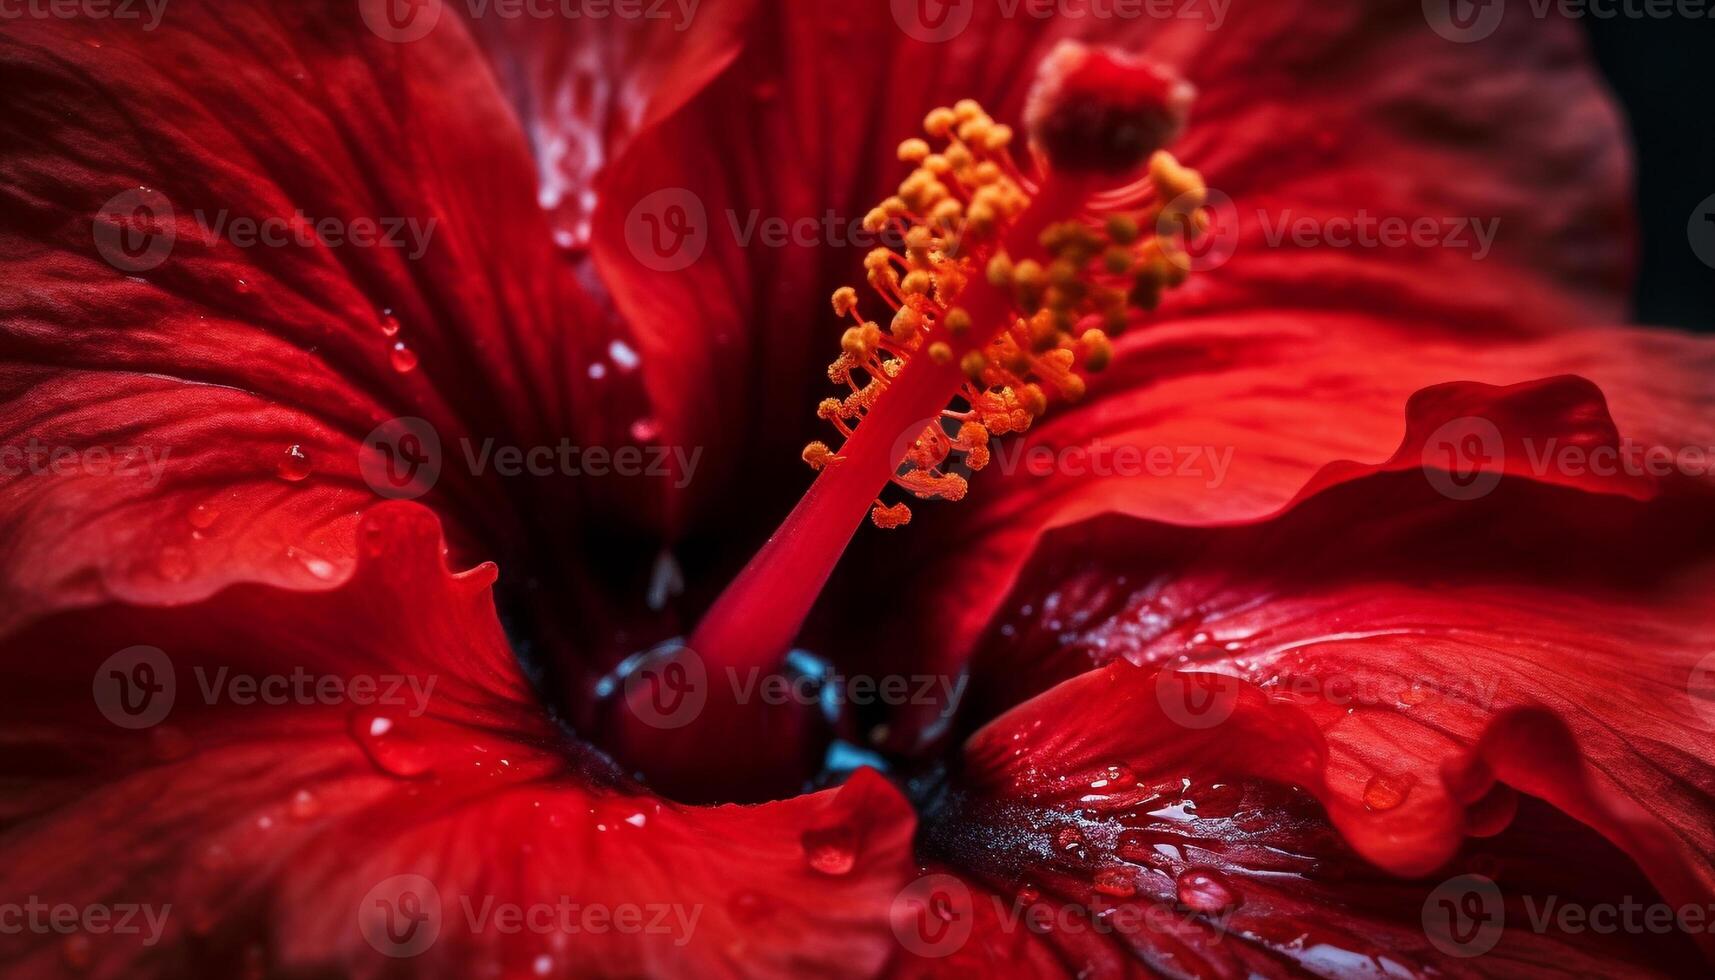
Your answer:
<point x="1544" y="636"/>
<point x="272" y="829"/>
<point x="218" y="357"/>
<point x="1230" y="420"/>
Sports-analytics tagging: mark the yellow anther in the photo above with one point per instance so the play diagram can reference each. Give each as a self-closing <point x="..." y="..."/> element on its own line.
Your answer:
<point x="829" y="408"/>
<point x="1000" y="271"/>
<point x="1117" y="260"/>
<point x="958" y="157"/>
<point x="949" y="283"/>
<point x="939" y="121"/>
<point x="877" y="259"/>
<point x="894" y="206"/>
<point x="916" y="283"/>
<point x="973" y="434"/>
<point x="1062" y="273"/>
<point x="973" y="364"/>
<point x="1072" y="387"/>
<point x="937" y="164"/>
<point x="976" y="131"/>
<point x="861" y="341"/>
<point x="1122" y="229"/>
<point x="946" y="214"/>
<point x="980" y="221"/>
<point x="1032" y="400"/>
<point x="985" y="173"/>
<point x="1028" y="283"/>
<point x="875" y="220"/>
<point x="906" y="323"/>
<point x="818" y="455"/>
<point x="957" y="321"/>
<point x="940" y="353"/>
<point x="1175" y="183"/>
<point x="913" y="150"/>
<point x="845" y="300"/>
<point x="967" y="109"/>
<point x="1098" y="351"/>
<point x="997" y="138"/>
<point x="1044" y="334"/>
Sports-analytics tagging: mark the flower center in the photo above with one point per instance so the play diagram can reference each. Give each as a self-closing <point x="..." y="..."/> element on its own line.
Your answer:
<point x="1011" y="281"/>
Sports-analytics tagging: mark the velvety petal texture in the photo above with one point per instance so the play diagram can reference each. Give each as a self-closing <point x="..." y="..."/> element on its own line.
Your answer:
<point x="376" y="786"/>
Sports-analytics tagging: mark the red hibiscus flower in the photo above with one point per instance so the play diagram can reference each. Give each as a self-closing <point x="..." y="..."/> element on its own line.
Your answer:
<point x="395" y="397"/>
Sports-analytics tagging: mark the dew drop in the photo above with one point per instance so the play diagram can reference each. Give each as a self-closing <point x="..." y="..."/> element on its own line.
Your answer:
<point x="304" y="806"/>
<point x="295" y="466"/>
<point x="389" y="323"/>
<point x="542" y="965"/>
<point x="1384" y="793"/>
<point x="1070" y="841"/>
<point x="1205" y="890"/>
<point x="242" y="287"/>
<point x="388" y="747"/>
<point x="403" y="359"/>
<point x="1135" y="846"/>
<point x="1028" y="894"/>
<point x="1115" y="883"/>
<point x="202" y="516"/>
<point x="645" y="429"/>
<point x="831" y="850"/>
<point x="622" y="355"/>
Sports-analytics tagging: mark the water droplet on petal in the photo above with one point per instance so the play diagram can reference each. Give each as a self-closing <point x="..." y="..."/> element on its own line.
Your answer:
<point x="831" y="850"/>
<point x="1115" y="883"/>
<point x="295" y="466"/>
<point x="304" y="806"/>
<point x="403" y="359"/>
<point x="622" y="355"/>
<point x="389" y="323"/>
<point x="1383" y="793"/>
<point x="1206" y="890"/>
<point x="242" y="287"/>
<point x="1028" y="894"/>
<point x="1071" y="841"/>
<point x="645" y="429"/>
<point x="392" y="750"/>
<point x="202" y="516"/>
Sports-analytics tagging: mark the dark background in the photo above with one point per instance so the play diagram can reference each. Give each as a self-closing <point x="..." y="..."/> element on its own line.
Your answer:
<point x="1664" y="74"/>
